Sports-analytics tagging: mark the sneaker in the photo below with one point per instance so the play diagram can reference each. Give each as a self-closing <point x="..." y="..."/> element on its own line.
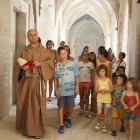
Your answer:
<point x="61" y="129"/>
<point x="122" y="129"/>
<point x="114" y="133"/>
<point x="50" y="100"/>
<point x="68" y="123"/>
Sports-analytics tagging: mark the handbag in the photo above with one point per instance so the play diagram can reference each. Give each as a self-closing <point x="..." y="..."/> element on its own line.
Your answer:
<point x="114" y="74"/>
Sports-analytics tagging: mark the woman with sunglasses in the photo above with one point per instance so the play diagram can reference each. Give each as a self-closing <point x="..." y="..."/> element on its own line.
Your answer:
<point x="85" y="81"/>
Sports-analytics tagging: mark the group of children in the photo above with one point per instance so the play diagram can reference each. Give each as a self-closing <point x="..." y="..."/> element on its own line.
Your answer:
<point x="86" y="76"/>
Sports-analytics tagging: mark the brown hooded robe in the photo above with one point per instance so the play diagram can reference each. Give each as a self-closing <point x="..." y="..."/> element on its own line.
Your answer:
<point x="31" y="106"/>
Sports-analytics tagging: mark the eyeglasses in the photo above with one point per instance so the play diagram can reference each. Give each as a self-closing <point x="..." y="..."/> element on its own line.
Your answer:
<point x="85" y="55"/>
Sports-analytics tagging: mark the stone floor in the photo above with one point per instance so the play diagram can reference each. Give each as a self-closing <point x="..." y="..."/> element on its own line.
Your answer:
<point x="82" y="127"/>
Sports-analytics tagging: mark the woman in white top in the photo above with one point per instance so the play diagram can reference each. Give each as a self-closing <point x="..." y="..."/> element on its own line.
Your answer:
<point x="85" y="81"/>
<point x="119" y="62"/>
<point x="112" y="55"/>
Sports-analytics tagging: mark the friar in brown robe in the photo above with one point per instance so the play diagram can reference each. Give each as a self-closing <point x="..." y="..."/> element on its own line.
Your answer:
<point x="31" y="92"/>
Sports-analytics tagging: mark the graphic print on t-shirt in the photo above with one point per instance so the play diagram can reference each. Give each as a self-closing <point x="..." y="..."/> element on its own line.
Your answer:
<point x="85" y="75"/>
<point x="65" y="74"/>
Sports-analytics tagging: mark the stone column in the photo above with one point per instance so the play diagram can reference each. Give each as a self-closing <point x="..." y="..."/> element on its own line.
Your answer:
<point x="5" y="44"/>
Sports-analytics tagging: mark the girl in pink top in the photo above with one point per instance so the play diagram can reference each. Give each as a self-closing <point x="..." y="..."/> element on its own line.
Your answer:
<point x="102" y="56"/>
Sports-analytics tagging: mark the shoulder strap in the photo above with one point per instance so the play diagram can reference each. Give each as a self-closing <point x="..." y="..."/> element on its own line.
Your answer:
<point x="118" y="65"/>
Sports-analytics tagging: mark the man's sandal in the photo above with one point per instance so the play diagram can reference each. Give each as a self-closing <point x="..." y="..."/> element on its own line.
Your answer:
<point x="86" y="114"/>
<point x="38" y="137"/>
<point x="131" y="138"/>
<point x="91" y="115"/>
<point x="97" y="127"/>
<point x="23" y="133"/>
<point x="104" y="131"/>
<point x="81" y="112"/>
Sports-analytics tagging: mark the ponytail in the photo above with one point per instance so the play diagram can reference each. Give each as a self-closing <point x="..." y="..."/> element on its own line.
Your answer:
<point x="104" y="52"/>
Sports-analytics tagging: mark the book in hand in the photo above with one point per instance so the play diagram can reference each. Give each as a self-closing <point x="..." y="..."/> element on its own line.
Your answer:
<point x="23" y="62"/>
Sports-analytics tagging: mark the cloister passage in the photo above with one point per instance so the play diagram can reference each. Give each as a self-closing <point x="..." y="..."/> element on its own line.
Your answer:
<point x="110" y="23"/>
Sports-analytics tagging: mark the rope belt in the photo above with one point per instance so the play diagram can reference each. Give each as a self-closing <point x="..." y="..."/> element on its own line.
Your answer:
<point x="39" y="82"/>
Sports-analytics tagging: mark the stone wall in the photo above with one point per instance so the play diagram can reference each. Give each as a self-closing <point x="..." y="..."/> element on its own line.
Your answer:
<point x="13" y="39"/>
<point x="5" y="31"/>
<point x="134" y="41"/>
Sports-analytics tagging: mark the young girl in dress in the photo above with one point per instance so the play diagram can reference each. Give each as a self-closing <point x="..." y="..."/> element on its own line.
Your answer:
<point x="103" y="88"/>
<point x="54" y="54"/>
<point x="130" y="102"/>
<point x="85" y="81"/>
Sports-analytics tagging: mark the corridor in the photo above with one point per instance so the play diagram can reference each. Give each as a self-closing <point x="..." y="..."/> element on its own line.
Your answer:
<point x="82" y="127"/>
<point x="75" y="24"/>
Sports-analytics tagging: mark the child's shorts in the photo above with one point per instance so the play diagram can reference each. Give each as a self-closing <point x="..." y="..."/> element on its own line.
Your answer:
<point x="104" y="105"/>
<point x="70" y="101"/>
<point x="117" y="113"/>
<point x="84" y="84"/>
<point x="130" y="117"/>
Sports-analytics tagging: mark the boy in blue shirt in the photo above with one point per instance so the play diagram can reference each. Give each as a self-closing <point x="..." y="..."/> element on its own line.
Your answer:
<point x="66" y="84"/>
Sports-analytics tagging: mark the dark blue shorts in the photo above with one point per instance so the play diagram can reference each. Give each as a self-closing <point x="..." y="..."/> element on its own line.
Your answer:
<point x="129" y="117"/>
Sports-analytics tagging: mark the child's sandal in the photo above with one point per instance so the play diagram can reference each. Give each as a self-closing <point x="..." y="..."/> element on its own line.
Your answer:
<point x="86" y="114"/>
<point x="81" y="112"/>
<point x="91" y="115"/>
<point x="101" y="118"/>
<point x="104" y="131"/>
<point x="64" y="118"/>
<point x="97" y="127"/>
<point x="127" y="133"/>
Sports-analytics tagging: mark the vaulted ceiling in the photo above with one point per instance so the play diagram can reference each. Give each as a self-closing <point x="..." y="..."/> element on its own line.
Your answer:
<point x="100" y="10"/>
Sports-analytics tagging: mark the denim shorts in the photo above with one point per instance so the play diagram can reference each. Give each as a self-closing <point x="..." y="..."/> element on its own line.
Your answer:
<point x="130" y="116"/>
<point x="104" y="105"/>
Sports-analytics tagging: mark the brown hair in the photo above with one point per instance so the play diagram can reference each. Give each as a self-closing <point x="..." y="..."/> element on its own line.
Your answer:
<point x="49" y="41"/>
<point x="94" y="59"/>
<point x="85" y="47"/>
<point x="85" y="51"/>
<point x="121" y="67"/>
<point x="68" y="47"/>
<point x="134" y="82"/>
<point x="124" y="77"/>
<point x="60" y="49"/>
<point x="123" y="54"/>
<point x="103" y="52"/>
<point x="100" y="67"/>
